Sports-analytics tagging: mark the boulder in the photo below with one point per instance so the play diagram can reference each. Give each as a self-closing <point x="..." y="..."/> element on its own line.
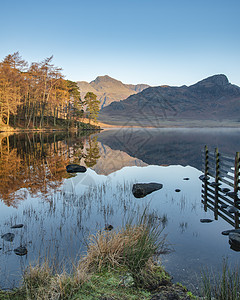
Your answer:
<point x="141" y="190"/>
<point x="21" y="250"/>
<point x="74" y="168"/>
<point x="227" y="232"/>
<point x="9" y="237"/>
<point x="234" y="240"/>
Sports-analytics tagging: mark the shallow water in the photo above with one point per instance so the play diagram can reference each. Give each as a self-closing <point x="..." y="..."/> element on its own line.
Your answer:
<point x="59" y="210"/>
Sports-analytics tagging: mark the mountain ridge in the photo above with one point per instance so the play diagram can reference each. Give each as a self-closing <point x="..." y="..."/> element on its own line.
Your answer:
<point x="213" y="98"/>
<point x="109" y="89"/>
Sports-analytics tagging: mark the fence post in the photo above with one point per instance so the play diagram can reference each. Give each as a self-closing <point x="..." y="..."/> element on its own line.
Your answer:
<point x="206" y="174"/>
<point x="236" y="183"/>
<point x="217" y="172"/>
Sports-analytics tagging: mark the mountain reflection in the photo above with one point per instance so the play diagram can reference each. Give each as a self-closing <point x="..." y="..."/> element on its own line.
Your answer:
<point x="171" y="146"/>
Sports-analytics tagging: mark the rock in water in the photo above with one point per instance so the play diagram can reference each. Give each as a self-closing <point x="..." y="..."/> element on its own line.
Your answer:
<point x="177" y="190"/>
<point x="225" y="190"/>
<point x="17" y="226"/>
<point x="108" y="227"/>
<point x="20" y="251"/>
<point x="9" y="237"/>
<point x="204" y="178"/>
<point x="141" y="190"/>
<point x="206" y="220"/>
<point x="234" y="240"/>
<point x="232" y="209"/>
<point x="227" y="232"/>
<point x="74" y="168"/>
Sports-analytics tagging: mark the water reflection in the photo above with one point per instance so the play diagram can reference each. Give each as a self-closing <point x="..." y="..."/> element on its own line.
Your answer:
<point x="171" y="146"/>
<point x="37" y="162"/>
<point x="60" y="210"/>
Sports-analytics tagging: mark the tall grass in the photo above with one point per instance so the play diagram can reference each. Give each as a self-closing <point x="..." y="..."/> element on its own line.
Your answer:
<point x="130" y="251"/>
<point x="133" y="248"/>
<point x="225" y="286"/>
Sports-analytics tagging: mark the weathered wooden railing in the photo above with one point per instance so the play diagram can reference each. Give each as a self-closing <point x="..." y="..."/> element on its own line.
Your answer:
<point x="221" y="185"/>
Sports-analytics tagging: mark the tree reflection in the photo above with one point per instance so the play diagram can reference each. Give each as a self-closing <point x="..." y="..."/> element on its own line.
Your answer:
<point x="93" y="153"/>
<point x="37" y="162"/>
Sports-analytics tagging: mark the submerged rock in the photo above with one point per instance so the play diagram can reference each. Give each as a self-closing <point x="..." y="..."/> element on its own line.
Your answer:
<point x="17" y="226"/>
<point x="227" y="232"/>
<point x="74" y="168"/>
<point x="141" y="190"/>
<point x="186" y="178"/>
<point x="9" y="237"/>
<point x="177" y="190"/>
<point x="206" y="220"/>
<point x="21" y="250"/>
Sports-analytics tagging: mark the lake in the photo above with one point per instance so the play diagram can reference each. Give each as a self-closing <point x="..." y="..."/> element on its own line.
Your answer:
<point x="59" y="210"/>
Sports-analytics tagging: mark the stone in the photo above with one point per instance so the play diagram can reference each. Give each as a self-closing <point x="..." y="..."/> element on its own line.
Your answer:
<point x="231" y="194"/>
<point x="108" y="227"/>
<point x="8" y="237"/>
<point x="186" y="178"/>
<point x="204" y="178"/>
<point x="17" y="226"/>
<point x="206" y="220"/>
<point x="225" y="190"/>
<point x="214" y="184"/>
<point x="234" y="239"/>
<point x="141" y="190"/>
<point x="224" y="205"/>
<point x="74" y="168"/>
<point x="227" y="232"/>
<point x="177" y="190"/>
<point x="232" y="209"/>
<point x="21" y="250"/>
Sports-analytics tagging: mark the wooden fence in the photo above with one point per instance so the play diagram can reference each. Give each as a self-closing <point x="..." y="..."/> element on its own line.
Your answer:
<point x="221" y="185"/>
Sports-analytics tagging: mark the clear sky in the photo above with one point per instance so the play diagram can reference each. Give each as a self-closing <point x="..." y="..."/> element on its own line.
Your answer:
<point x="157" y="42"/>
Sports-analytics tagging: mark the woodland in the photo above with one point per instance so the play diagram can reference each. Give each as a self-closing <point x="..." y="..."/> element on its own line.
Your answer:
<point x="37" y="96"/>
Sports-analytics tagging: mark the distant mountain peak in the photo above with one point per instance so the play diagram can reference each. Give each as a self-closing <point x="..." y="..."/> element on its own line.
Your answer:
<point x="219" y="79"/>
<point x="109" y="89"/>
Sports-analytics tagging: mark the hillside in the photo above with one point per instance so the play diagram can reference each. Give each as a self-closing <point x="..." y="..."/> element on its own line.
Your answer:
<point x="109" y="89"/>
<point x="213" y="99"/>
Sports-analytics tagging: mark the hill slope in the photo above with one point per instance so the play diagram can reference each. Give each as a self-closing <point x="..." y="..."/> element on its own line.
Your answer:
<point x="109" y="89"/>
<point x="213" y="99"/>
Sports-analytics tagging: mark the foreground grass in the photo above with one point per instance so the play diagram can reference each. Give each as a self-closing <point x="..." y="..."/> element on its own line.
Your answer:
<point x="118" y="265"/>
<point x="225" y="286"/>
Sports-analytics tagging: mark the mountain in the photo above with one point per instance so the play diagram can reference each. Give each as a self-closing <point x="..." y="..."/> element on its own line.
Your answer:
<point x="213" y="99"/>
<point x="109" y="89"/>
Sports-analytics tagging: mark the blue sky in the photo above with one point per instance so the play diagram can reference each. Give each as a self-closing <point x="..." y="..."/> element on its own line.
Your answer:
<point x="172" y="42"/>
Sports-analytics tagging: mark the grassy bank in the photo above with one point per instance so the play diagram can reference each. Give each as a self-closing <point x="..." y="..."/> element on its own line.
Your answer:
<point x="50" y="124"/>
<point x="119" y="264"/>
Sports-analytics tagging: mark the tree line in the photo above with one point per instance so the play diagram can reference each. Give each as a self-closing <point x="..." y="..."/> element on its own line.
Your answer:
<point x="37" y="95"/>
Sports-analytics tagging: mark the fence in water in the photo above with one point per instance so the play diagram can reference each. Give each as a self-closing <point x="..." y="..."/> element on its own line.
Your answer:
<point x="221" y="185"/>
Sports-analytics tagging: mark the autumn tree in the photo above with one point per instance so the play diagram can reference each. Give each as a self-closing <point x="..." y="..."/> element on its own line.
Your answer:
<point x="93" y="106"/>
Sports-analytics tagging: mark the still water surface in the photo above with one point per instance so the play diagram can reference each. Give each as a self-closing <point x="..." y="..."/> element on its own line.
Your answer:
<point x="59" y="210"/>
